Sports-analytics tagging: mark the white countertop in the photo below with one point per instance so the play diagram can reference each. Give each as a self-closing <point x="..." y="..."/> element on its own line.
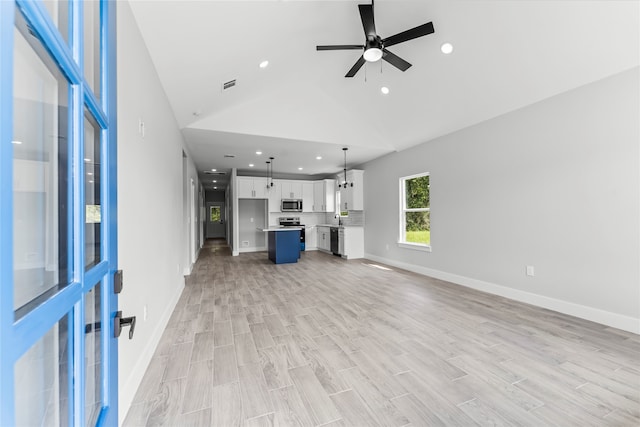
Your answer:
<point x="339" y="226"/>
<point x="280" y="228"/>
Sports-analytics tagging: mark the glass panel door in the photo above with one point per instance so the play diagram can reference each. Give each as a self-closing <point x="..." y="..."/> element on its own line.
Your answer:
<point x="58" y="357"/>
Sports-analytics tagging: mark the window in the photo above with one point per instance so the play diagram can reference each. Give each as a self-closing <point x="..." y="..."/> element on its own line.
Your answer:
<point x="415" y="215"/>
<point x="214" y="214"/>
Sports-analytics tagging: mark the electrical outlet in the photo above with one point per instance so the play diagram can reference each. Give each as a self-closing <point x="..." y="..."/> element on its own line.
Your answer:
<point x="245" y="243"/>
<point x="530" y="271"/>
<point x="141" y="127"/>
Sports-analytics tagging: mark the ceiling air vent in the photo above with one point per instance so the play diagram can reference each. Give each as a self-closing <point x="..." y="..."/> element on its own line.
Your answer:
<point x="214" y="173"/>
<point x="229" y="84"/>
<point x="229" y="156"/>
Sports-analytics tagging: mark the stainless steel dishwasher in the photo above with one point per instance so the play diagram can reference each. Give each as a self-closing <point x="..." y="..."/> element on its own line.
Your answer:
<point x="335" y="242"/>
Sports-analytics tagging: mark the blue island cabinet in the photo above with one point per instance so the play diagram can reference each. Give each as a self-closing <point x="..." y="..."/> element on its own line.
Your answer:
<point x="284" y="246"/>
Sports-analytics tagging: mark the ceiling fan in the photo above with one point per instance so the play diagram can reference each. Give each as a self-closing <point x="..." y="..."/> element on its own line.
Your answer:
<point x="375" y="47"/>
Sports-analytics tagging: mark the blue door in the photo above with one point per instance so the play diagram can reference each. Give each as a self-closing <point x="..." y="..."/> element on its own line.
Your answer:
<point x="58" y="257"/>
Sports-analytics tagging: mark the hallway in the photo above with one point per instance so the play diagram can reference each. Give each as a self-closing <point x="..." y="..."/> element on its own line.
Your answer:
<point x="342" y="343"/>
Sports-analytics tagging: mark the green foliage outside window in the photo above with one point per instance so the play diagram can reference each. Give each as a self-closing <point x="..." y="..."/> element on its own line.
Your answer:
<point x="215" y="213"/>
<point x="417" y="197"/>
<point x="417" y="192"/>
<point x="92" y="214"/>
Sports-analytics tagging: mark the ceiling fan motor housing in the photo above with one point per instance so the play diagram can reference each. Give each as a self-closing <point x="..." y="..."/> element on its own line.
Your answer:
<point x="374" y="43"/>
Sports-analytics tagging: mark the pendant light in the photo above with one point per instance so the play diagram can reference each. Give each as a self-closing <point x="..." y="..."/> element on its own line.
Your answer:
<point x="272" y="159"/>
<point x="345" y="184"/>
<point x="268" y="163"/>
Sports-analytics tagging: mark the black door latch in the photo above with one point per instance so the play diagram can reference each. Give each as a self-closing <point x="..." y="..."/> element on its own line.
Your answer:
<point x="119" y="322"/>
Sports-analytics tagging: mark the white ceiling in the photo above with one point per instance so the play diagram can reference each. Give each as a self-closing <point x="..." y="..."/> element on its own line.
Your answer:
<point x="507" y="54"/>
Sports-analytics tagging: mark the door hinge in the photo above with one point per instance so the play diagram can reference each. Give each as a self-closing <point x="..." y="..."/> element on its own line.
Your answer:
<point x="117" y="282"/>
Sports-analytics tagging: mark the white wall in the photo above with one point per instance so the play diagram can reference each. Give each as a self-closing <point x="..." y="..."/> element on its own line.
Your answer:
<point x="252" y="214"/>
<point x="189" y="240"/>
<point x="554" y="185"/>
<point x="150" y="204"/>
<point x="232" y="205"/>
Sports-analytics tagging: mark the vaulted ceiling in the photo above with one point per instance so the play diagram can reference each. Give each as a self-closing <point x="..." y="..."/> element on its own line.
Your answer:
<point x="507" y="54"/>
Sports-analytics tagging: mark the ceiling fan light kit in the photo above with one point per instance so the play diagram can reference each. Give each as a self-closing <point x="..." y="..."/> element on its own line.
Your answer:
<point x="372" y="54"/>
<point x="374" y="47"/>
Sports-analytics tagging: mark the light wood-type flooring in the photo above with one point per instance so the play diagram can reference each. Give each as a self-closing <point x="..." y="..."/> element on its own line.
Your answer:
<point x="329" y="342"/>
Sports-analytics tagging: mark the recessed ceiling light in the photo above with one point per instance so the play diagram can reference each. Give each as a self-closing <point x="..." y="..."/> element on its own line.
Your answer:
<point x="250" y="165"/>
<point x="446" y="48"/>
<point x="87" y="160"/>
<point x="318" y="157"/>
<point x="215" y="188"/>
<point x="259" y="153"/>
<point x="214" y="181"/>
<point x="16" y="142"/>
<point x="91" y="182"/>
<point x="299" y="169"/>
<point x="264" y="64"/>
<point x="89" y="173"/>
<point x="384" y="90"/>
<point x="214" y="170"/>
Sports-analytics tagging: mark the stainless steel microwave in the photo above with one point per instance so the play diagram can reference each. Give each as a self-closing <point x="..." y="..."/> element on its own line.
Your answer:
<point x="291" y="205"/>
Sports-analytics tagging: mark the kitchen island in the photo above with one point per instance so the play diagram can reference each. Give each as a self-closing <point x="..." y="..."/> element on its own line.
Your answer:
<point x="284" y="244"/>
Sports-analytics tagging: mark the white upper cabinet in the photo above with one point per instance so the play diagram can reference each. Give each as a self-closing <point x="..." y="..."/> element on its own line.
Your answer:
<point x="307" y="196"/>
<point x="251" y="188"/>
<point x="352" y="197"/>
<point x="317" y="196"/>
<point x="291" y="189"/>
<point x="324" y="195"/>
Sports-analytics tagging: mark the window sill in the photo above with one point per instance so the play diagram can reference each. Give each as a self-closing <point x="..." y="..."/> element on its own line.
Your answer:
<point x="414" y="246"/>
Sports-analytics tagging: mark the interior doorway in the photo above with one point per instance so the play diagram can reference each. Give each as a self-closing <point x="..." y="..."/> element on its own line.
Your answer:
<point x="193" y="223"/>
<point x="215" y="224"/>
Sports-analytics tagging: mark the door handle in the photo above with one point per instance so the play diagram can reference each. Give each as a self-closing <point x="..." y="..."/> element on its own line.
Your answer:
<point x="119" y="322"/>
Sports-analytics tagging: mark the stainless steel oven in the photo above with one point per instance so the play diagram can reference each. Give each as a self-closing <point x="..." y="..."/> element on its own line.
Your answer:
<point x="294" y="222"/>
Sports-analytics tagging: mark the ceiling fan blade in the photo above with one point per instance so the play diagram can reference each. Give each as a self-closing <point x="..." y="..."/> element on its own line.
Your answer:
<point x="340" y="47"/>
<point x="414" y="33"/>
<point x="395" y="60"/>
<point x="366" y="14"/>
<point x="352" y="72"/>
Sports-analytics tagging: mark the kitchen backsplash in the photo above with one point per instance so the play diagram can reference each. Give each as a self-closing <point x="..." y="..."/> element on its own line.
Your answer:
<point x="355" y="218"/>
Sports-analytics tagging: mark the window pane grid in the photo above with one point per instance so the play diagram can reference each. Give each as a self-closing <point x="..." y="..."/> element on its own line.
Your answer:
<point x="415" y="212"/>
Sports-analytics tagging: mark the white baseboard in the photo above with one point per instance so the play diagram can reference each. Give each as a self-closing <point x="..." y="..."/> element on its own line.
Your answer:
<point x="615" y="320"/>
<point x="255" y="249"/>
<point x="127" y="391"/>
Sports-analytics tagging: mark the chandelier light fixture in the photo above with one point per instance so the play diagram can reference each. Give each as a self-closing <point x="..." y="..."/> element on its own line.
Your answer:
<point x="345" y="184"/>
